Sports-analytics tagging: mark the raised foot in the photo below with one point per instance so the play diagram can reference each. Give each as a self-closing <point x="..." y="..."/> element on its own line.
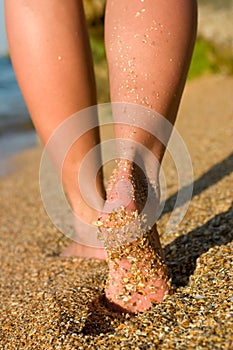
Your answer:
<point x="137" y="272"/>
<point x="137" y="275"/>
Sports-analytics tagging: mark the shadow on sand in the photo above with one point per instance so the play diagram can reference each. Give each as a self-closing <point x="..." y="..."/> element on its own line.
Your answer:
<point x="217" y="231"/>
<point x="101" y="316"/>
<point x="216" y="173"/>
<point x="182" y="260"/>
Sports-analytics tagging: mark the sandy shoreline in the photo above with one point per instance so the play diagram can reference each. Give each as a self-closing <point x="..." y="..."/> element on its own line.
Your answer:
<point x="48" y="302"/>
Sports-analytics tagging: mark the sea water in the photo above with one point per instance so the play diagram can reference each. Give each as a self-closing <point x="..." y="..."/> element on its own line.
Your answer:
<point x="16" y="132"/>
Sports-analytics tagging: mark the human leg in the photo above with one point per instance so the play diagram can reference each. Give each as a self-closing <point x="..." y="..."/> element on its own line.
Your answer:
<point x="51" y="55"/>
<point x="149" y="45"/>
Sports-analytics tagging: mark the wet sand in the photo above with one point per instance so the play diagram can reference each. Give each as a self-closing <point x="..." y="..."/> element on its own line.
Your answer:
<point x="49" y="302"/>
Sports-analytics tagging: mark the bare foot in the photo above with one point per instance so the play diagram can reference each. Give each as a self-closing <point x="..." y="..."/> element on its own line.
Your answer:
<point x="137" y="274"/>
<point x="83" y="251"/>
<point x="87" y="244"/>
<point x="137" y="271"/>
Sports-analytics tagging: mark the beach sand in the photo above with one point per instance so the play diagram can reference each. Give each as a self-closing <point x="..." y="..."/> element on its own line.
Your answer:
<point x="49" y="302"/>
